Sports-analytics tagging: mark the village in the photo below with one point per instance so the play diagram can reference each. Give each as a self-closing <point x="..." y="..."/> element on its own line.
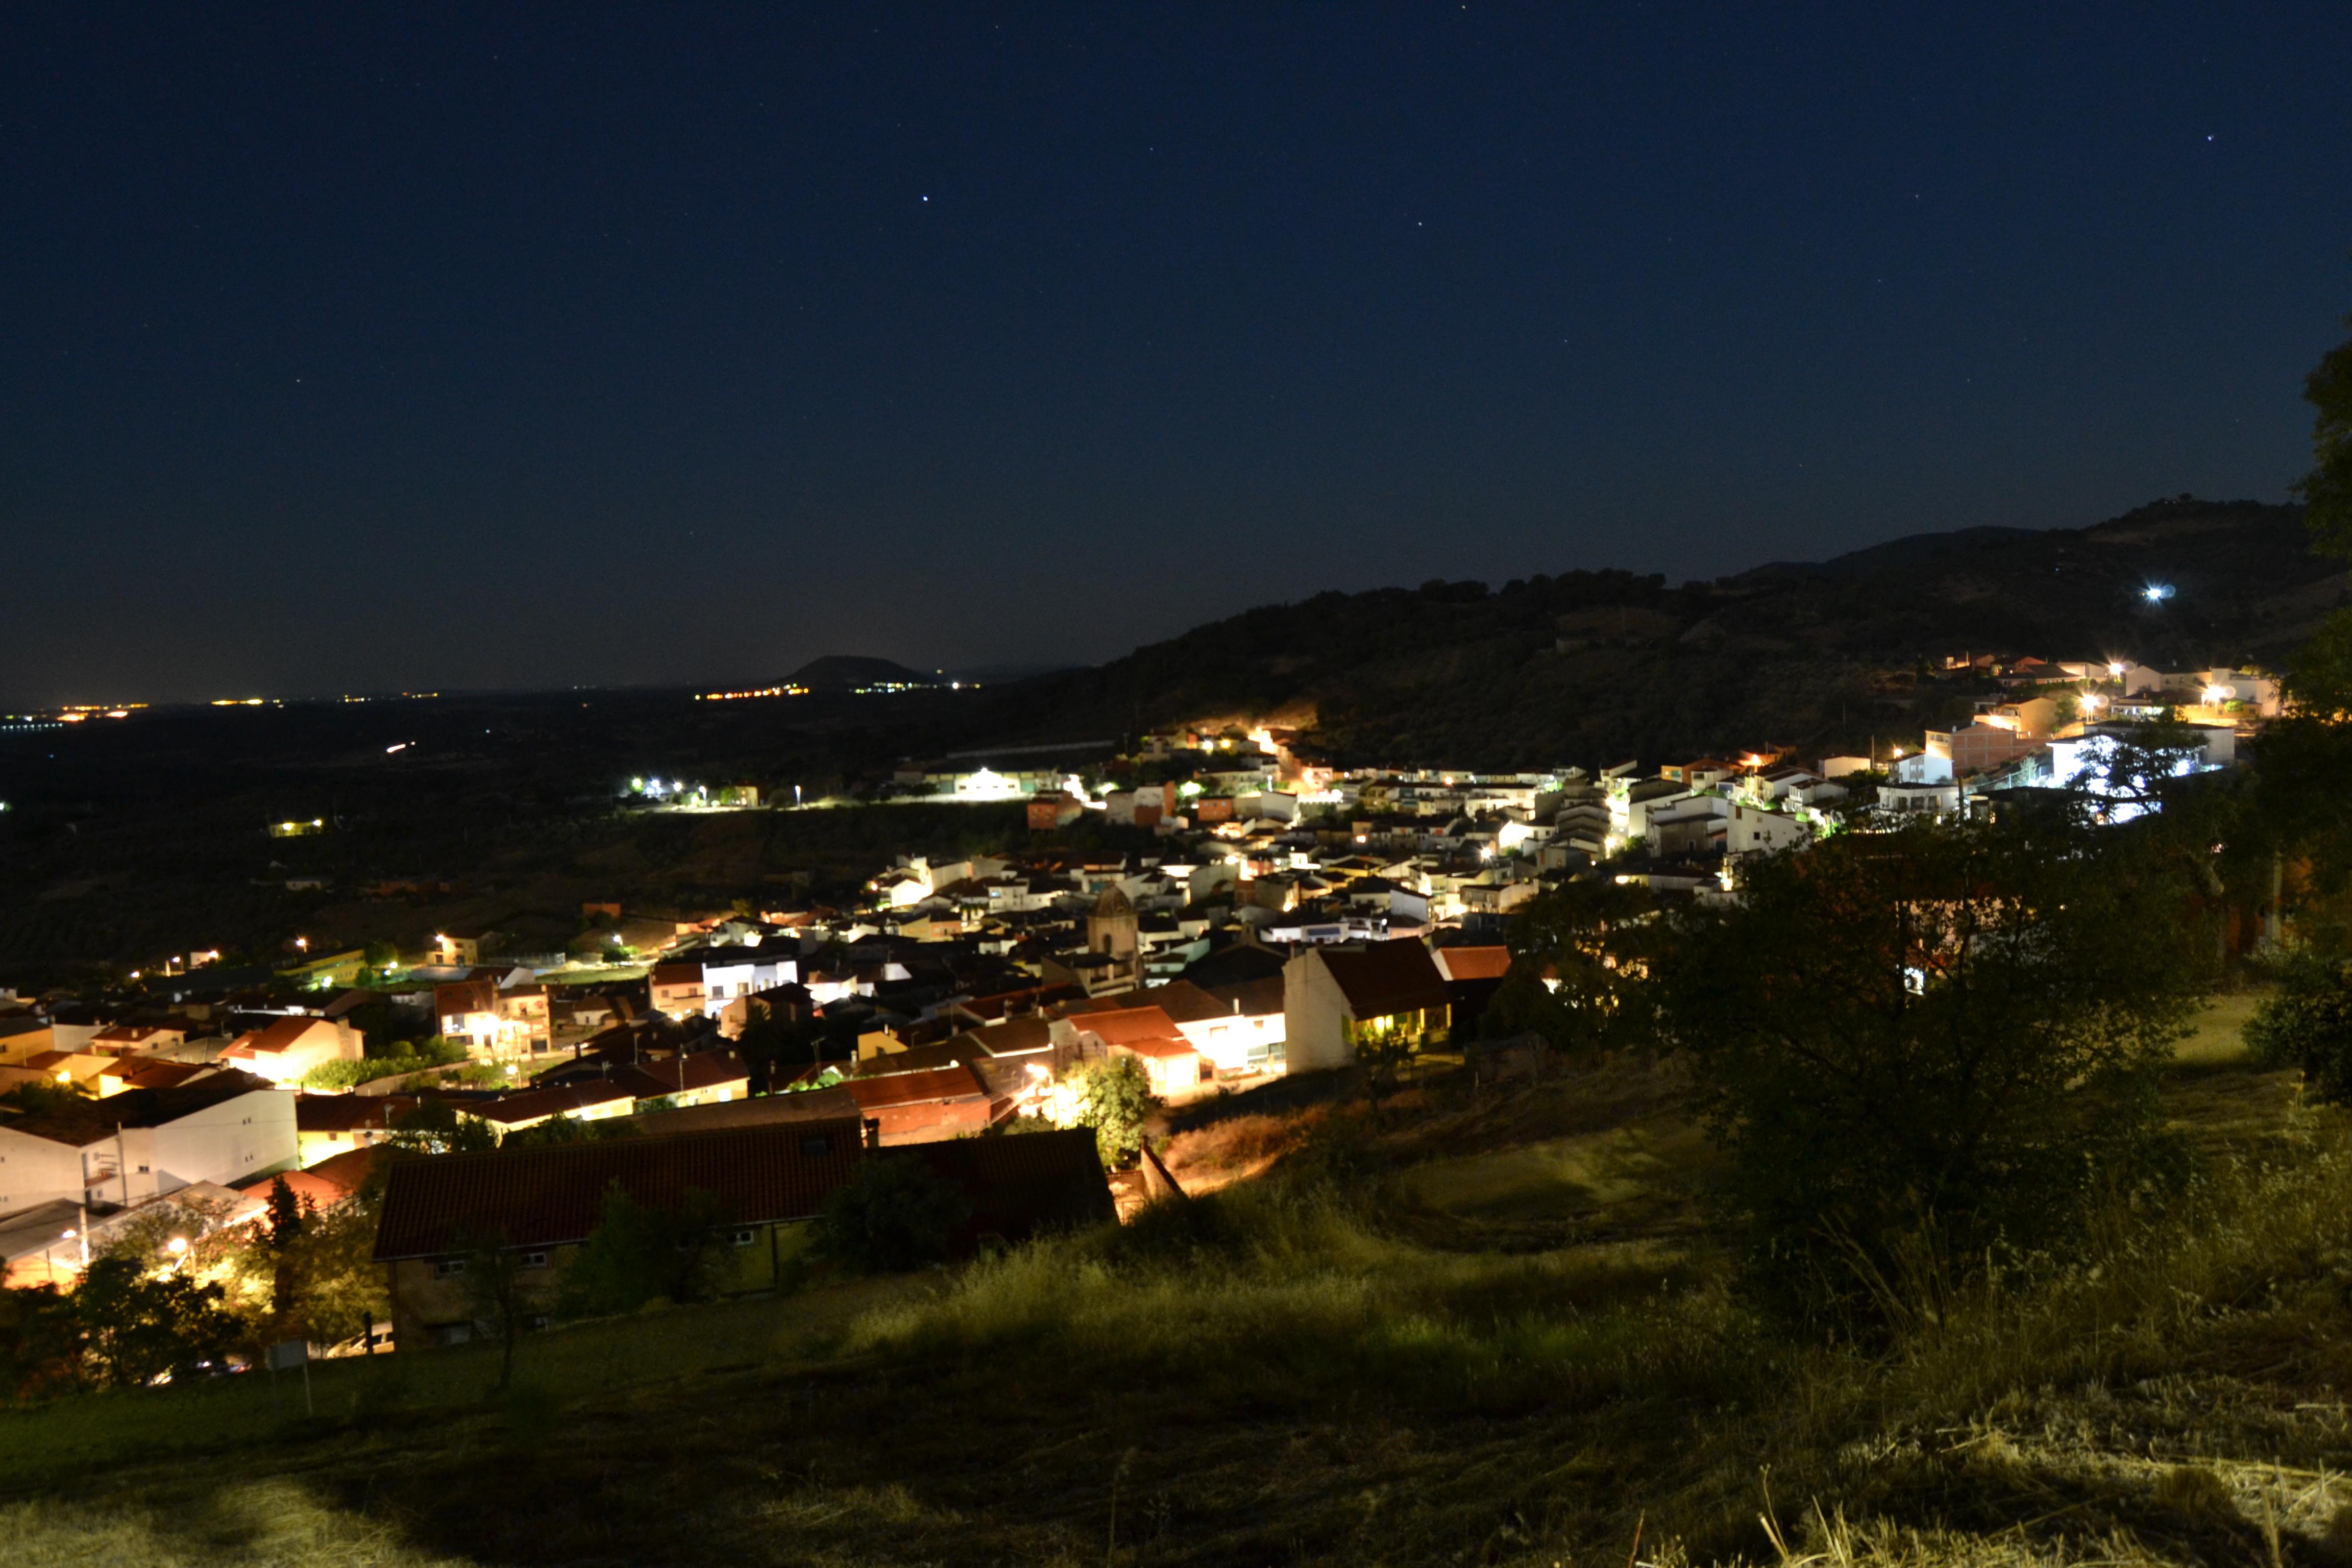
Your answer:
<point x="1289" y="917"/>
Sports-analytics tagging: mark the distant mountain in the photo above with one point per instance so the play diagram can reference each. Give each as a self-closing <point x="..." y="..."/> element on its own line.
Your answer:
<point x="1602" y="667"/>
<point x="847" y="671"/>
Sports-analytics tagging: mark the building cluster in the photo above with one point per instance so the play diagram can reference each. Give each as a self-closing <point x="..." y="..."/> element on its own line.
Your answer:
<point x="1262" y="913"/>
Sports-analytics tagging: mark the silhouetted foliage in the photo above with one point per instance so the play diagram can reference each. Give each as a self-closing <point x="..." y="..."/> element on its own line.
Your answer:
<point x="1579" y="957"/>
<point x="896" y="1214"/>
<point x="637" y="1253"/>
<point x="1916" y="1046"/>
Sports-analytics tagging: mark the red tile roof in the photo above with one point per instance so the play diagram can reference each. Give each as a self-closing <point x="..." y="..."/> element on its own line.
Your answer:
<point x="555" y="1195"/>
<point x="683" y="1075"/>
<point x="275" y="1038"/>
<point x="326" y="1184"/>
<point x="915" y="1088"/>
<point x="1385" y="978"/>
<point x="1474" y="962"/>
<point x="463" y="996"/>
<point x="1124" y="1025"/>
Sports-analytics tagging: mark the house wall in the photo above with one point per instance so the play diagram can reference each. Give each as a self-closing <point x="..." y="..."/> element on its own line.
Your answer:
<point x="1314" y="1016"/>
<point x="426" y="1306"/>
<point x="251" y="1135"/>
<point x="234" y="1141"/>
<point x="1229" y="1043"/>
<point x="35" y="1170"/>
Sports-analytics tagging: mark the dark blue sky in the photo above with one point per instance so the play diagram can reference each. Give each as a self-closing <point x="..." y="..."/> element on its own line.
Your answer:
<point x="480" y="345"/>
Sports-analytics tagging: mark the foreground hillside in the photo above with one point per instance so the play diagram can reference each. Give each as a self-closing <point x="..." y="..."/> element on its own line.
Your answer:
<point x="1598" y="666"/>
<point x="1464" y="1327"/>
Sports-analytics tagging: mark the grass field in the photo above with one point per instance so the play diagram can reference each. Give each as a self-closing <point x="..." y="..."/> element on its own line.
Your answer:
<point x="1487" y="1328"/>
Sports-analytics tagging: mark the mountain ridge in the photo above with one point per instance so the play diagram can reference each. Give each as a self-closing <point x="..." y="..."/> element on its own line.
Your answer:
<point x="1593" y="667"/>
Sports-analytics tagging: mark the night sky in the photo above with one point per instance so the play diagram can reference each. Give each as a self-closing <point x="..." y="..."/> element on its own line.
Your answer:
<point x="488" y="347"/>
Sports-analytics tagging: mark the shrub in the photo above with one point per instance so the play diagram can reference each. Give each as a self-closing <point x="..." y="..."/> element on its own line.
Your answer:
<point x="897" y="1215"/>
<point x="2308" y="1026"/>
<point x="1919" y="1045"/>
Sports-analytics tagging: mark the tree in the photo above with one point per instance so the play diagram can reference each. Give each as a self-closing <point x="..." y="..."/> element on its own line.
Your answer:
<point x="1914" y="1046"/>
<point x="493" y="1284"/>
<point x="340" y="1287"/>
<point x="38" y="1096"/>
<point x="2327" y="488"/>
<point x="767" y="1042"/>
<point x="1115" y="1099"/>
<point x="437" y="1126"/>
<point x="896" y="1214"/>
<point x="639" y="1254"/>
<point x="282" y="1230"/>
<point x="41" y="1344"/>
<point x="2307" y="1024"/>
<point x="137" y="1326"/>
<point x="1580" y="956"/>
<point x="382" y="955"/>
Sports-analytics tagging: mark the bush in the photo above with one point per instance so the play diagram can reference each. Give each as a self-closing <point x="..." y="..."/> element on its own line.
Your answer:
<point x="637" y="1254"/>
<point x="2308" y="1026"/>
<point x="138" y="1326"/>
<point x="1918" y="1046"/>
<point x="897" y="1215"/>
<point x="405" y="1057"/>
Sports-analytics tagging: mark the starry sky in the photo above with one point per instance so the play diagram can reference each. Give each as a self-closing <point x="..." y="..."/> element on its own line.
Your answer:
<point x="479" y="346"/>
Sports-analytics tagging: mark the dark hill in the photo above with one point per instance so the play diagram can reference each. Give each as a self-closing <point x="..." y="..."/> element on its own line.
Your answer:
<point x="1599" y="667"/>
<point x="847" y="672"/>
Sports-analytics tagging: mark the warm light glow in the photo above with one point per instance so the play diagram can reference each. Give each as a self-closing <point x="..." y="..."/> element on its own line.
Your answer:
<point x="2217" y="695"/>
<point x="2115" y="668"/>
<point x="178" y="1244"/>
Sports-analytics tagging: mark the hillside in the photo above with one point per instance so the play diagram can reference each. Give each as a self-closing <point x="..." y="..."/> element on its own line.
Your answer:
<point x="1597" y="667"/>
<point x="1478" y="1327"/>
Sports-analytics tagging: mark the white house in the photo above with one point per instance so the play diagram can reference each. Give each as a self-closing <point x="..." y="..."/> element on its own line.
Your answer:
<point x="284" y="1050"/>
<point x="143" y="1143"/>
<point x="1751" y="831"/>
<point x="1335" y="998"/>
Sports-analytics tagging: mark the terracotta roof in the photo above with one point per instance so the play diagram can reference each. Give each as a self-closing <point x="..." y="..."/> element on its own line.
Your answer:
<point x="1121" y="1026"/>
<point x="1474" y="962"/>
<point x="326" y="1184"/>
<point x="1184" y="1001"/>
<point x="130" y="1033"/>
<point x="1385" y="977"/>
<point x="1257" y="998"/>
<point x="802" y="1106"/>
<point x="140" y="1073"/>
<point x="684" y="1074"/>
<point x="275" y="1038"/>
<point x="939" y="1085"/>
<point x="555" y="1195"/>
<point x="1013" y="1037"/>
<point x="1160" y="1047"/>
<point x="464" y="996"/>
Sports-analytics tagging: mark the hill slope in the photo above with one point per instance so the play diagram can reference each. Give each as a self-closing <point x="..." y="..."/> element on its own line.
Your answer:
<point x="1596" y="667"/>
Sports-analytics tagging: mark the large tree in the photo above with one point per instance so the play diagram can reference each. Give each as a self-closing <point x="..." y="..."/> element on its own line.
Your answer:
<point x="1917" y="1045"/>
<point x="2327" y="488"/>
